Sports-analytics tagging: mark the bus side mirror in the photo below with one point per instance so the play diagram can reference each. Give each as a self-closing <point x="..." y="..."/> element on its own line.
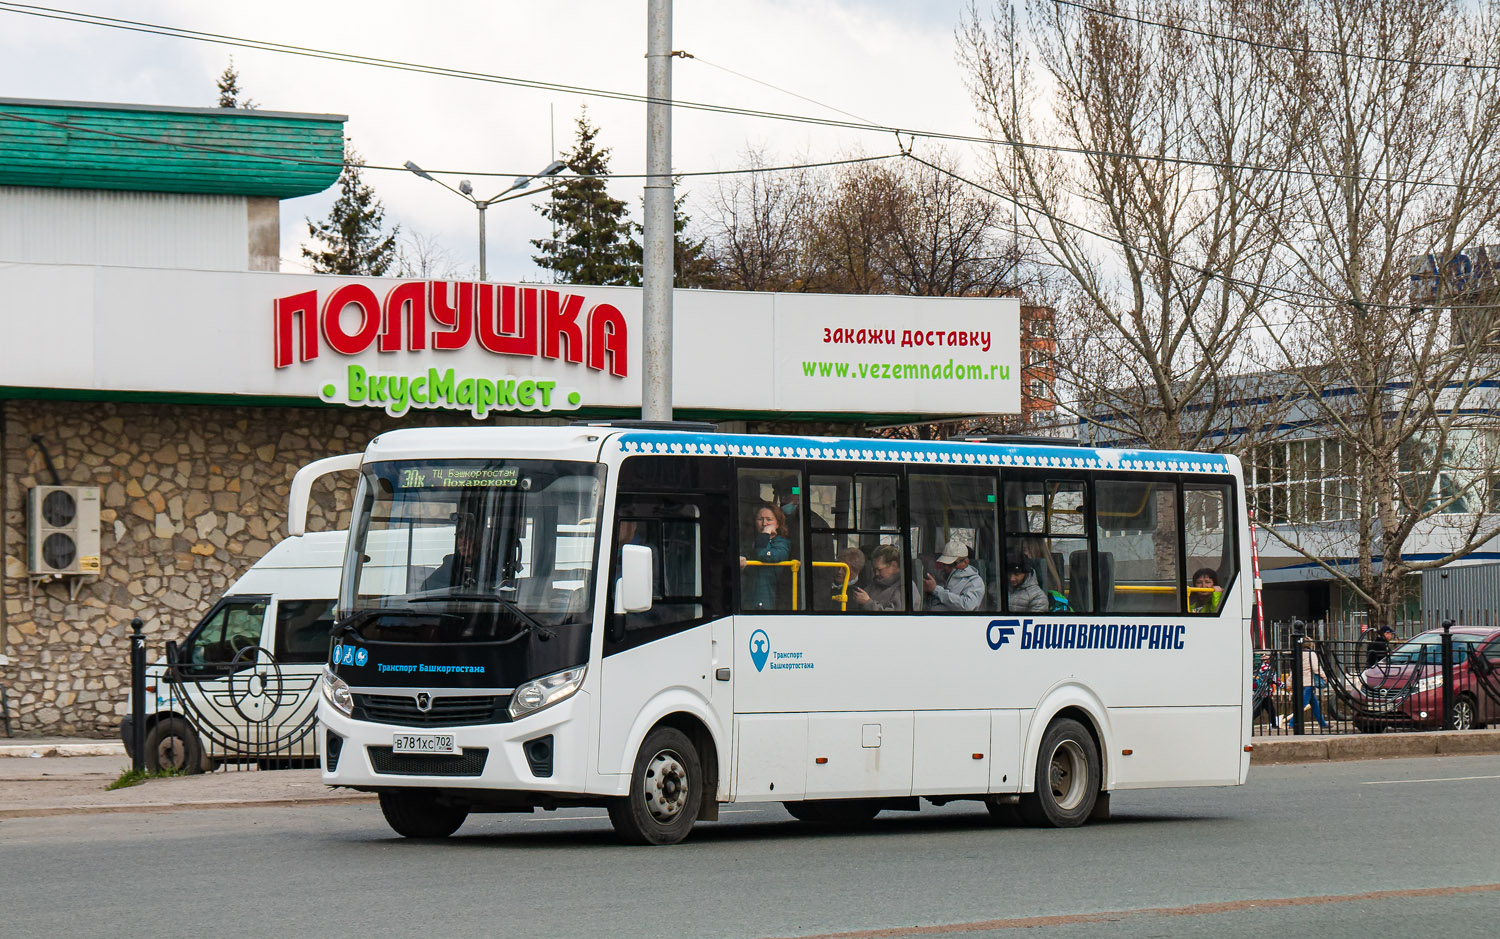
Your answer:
<point x="633" y="589"/>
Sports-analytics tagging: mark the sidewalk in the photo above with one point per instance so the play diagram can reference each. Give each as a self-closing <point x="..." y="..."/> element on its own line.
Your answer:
<point x="68" y="777"/>
<point x="58" y="776"/>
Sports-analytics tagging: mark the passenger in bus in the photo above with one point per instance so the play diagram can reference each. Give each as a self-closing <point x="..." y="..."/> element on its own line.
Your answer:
<point x="962" y="588"/>
<point x="884" y="592"/>
<point x="821" y="545"/>
<point x="1025" y="594"/>
<point x="768" y="545"/>
<point x="458" y="569"/>
<point x="854" y="560"/>
<point x="1206" y="593"/>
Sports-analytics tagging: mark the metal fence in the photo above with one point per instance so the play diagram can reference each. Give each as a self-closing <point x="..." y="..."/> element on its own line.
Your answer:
<point x="1323" y="678"/>
<point x="250" y="712"/>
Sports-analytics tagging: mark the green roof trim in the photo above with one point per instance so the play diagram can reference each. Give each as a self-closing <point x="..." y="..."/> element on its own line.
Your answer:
<point x="219" y="151"/>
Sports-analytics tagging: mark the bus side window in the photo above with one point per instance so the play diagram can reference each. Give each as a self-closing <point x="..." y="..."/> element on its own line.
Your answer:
<point x="1137" y="524"/>
<point x="773" y="514"/>
<point x="672" y="527"/>
<point x="1208" y="511"/>
<point x="1046" y="532"/>
<point x="955" y="511"/>
<point x="860" y="513"/>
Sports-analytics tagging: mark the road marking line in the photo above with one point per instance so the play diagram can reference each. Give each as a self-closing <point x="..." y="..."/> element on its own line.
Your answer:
<point x="1196" y="909"/>
<point x="1397" y="782"/>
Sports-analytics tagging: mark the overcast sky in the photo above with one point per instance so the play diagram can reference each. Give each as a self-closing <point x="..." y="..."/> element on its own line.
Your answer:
<point x="886" y="60"/>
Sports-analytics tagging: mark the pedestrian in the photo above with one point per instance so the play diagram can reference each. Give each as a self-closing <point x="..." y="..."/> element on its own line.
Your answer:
<point x="1265" y="685"/>
<point x="1380" y="646"/>
<point x="1313" y="680"/>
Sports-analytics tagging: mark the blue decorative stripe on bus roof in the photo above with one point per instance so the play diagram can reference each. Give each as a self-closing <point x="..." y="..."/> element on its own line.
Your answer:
<point x="918" y="451"/>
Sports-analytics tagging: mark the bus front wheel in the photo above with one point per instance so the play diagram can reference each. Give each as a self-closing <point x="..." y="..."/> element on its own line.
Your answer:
<point x="1067" y="778"/>
<point x="666" y="789"/>
<point x="417" y="813"/>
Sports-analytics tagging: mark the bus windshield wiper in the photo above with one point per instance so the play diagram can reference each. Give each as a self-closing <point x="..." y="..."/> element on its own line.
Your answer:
<point x="351" y="623"/>
<point x="530" y="622"/>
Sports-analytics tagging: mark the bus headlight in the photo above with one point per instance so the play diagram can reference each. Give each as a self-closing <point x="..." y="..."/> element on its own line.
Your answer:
<point x="337" y="693"/>
<point x="546" y="691"/>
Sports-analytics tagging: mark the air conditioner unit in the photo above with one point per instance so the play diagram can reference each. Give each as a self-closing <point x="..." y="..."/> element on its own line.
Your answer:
<point x="64" y="524"/>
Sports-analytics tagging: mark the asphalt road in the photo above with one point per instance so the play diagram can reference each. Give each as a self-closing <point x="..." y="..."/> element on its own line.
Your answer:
<point x="1388" y="848"/>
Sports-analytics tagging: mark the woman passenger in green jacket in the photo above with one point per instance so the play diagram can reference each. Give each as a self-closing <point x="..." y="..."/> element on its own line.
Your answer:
<point x="769" y="544"/>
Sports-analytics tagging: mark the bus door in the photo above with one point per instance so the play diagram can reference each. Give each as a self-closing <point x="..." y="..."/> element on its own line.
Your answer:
<point x="672" y="646"/>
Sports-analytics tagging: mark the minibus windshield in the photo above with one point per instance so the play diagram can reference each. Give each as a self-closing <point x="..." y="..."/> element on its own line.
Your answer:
<point x="473" y="550"/>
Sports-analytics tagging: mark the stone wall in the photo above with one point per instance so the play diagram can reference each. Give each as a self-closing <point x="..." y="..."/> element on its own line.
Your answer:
<point x="191" y="496"/>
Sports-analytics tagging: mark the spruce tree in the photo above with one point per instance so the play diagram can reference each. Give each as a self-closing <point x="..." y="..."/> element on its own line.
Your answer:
<point x="229" y="89"/>
<point x="352" y="240"/>
<point x="593" y="243"/>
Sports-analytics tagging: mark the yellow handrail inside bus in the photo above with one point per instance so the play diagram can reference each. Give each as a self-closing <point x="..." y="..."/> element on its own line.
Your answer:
<point x="794" y="565"/>
<point x="843" y="594"/>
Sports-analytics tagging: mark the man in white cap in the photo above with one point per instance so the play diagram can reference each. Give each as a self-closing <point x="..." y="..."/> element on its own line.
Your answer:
<point x="962" y="588"/>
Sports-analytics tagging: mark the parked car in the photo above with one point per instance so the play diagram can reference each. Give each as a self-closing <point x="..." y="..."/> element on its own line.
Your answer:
<point x="1406" y="687"/>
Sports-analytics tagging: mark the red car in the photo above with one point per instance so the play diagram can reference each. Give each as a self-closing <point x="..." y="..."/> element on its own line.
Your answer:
<point x="1407" y="685"/>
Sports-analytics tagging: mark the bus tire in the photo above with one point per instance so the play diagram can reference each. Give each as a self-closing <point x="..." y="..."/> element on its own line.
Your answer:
<point x="417" y="813"/>
<point x="1067" y="778"/>
<point x="666" y="790"/>
<point x="173" y="745"/>
<point x="834" y="812"/>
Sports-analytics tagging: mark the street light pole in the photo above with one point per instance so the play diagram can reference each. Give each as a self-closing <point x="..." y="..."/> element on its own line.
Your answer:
<point x="657" y="234"/>
<point x="466" y="189"/>
<point x="482" y="205"/>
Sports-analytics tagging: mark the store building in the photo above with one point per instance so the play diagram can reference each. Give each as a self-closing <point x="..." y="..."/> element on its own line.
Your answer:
<point x="152" y="355"/>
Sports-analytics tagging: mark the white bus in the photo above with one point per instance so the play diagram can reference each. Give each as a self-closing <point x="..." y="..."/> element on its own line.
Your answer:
<point x="662" y="619"/>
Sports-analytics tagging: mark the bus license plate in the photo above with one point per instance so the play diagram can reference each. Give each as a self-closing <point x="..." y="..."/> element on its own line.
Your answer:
<point x="423" y="743"/>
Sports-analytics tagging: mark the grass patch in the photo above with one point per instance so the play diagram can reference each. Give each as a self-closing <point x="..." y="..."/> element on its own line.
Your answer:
<point x="134" y="777"/>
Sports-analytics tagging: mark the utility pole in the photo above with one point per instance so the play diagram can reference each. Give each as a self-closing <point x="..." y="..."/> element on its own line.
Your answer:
<point x="657" y="233"/>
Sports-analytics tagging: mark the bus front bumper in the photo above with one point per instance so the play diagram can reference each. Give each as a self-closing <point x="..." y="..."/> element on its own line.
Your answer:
<point x="546" y="751"/>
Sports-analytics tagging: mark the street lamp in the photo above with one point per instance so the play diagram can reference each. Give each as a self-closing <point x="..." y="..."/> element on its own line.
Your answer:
<point x="466" y="189"/>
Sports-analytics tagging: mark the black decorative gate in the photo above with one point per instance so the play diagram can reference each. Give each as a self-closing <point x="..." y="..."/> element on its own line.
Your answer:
<point x="251" y="711"/>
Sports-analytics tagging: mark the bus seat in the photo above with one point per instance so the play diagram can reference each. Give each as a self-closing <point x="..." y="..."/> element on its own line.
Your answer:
<point x="1080" y="584"/>
<point x="1039" y="568"/>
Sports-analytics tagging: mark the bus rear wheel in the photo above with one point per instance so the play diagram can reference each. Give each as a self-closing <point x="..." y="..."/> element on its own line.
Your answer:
<point x="1067" y="778"/>
<point x="666" y="790"/>
<point x="835" y="812"/>
<point x="417" y="813"/>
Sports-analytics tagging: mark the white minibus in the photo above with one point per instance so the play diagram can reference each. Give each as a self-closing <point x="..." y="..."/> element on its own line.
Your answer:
<point x="660" y="619"/>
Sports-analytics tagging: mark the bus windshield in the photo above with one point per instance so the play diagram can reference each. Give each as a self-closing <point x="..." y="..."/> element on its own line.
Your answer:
<point x="481" y="549"/>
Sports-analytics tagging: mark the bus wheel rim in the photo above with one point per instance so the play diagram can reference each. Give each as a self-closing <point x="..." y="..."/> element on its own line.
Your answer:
<point x="666" y="786"/>
<point x="1068" y="775"/>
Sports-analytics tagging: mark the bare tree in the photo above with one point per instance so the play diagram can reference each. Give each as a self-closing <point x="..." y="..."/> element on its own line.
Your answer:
<point x="423" y="256"/>
<point x="946" y="237"/>
<point x="757" y="225"/>
<point x="1394" y="371"/>
<point x="1130" y="151"/>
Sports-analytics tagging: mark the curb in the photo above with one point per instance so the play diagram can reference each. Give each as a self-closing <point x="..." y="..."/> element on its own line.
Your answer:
<point x="43" y="748"/>
<point x="44" y="811"/>
<point x="1374" y="746"/>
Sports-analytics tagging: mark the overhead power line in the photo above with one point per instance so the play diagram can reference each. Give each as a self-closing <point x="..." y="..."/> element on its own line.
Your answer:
<point x="1304" y="298"/>
<point x="308" y="161"/>
<point x="91" y="19"/>
<point x="1278" y="47"/>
